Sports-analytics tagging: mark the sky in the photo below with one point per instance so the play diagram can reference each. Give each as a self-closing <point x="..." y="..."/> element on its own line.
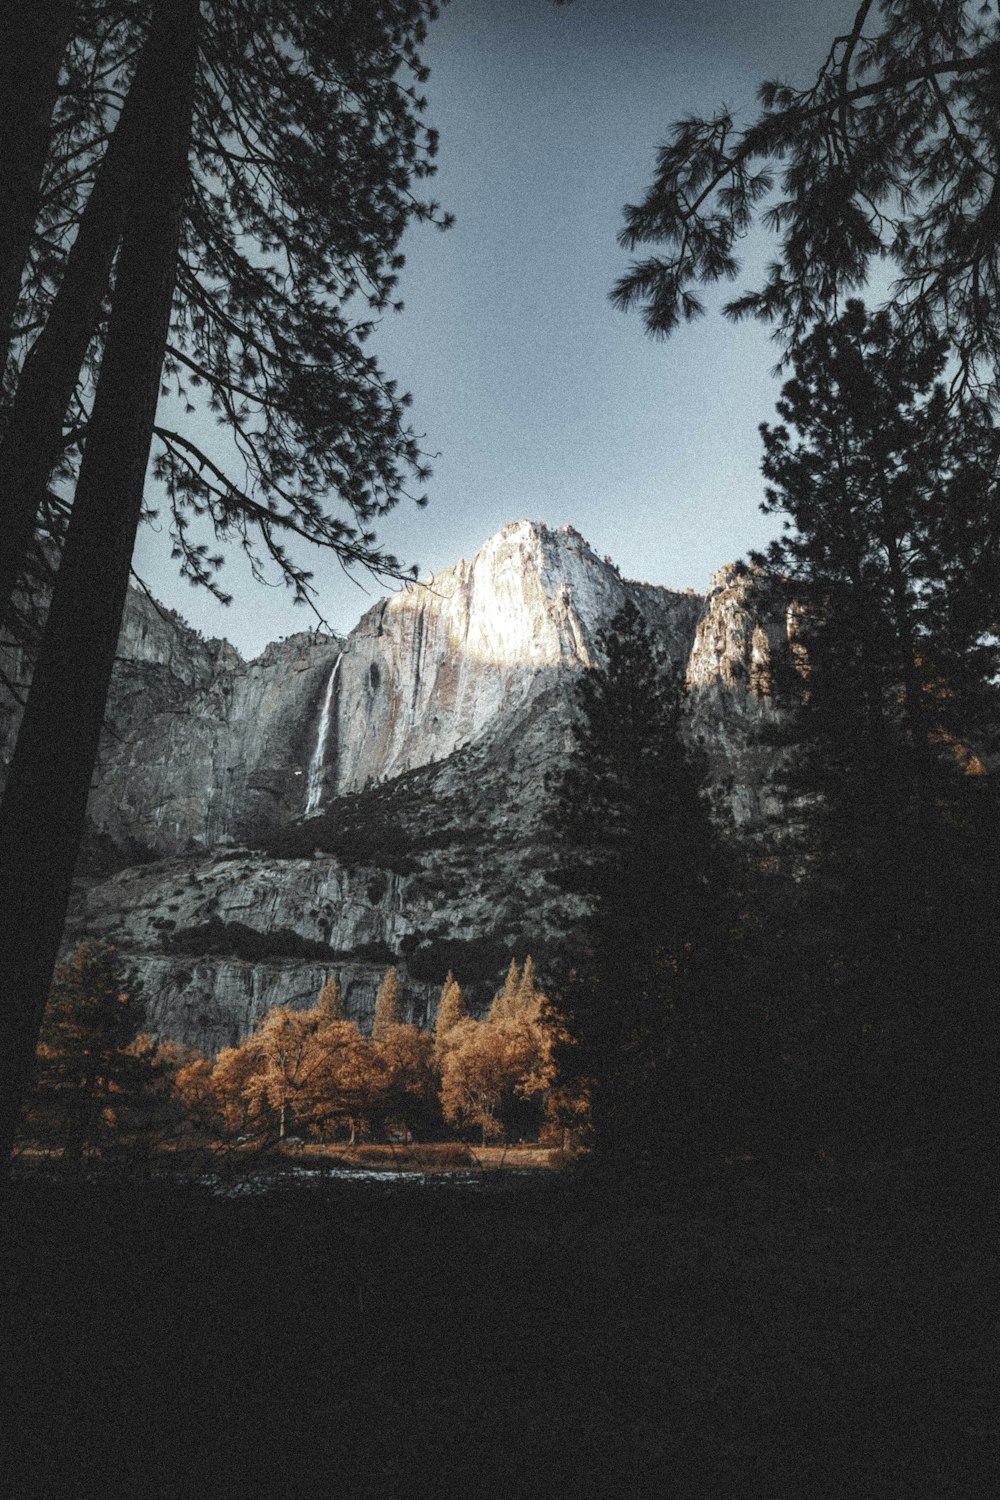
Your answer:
<point x="538" y="399"/>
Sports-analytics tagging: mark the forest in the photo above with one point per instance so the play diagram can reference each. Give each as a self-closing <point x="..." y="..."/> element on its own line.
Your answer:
<point x="106" y="1090"/>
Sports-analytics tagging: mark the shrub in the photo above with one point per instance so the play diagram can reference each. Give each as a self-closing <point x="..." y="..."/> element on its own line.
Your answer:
<point x="237" y="940"/>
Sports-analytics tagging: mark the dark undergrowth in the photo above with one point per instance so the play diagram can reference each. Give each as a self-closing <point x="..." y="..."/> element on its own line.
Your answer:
<point x="731" y="1336"/>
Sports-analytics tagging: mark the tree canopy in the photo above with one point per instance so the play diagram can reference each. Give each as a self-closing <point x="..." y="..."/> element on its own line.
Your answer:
<point x="889" y="153"/>
<point x="305" y="149"/>
<point x="886" y="495"/>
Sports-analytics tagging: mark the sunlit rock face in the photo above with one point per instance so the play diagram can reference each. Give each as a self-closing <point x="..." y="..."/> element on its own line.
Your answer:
<point x="209" y="748"/>
<point x="745" y="652"/>
<point x="223" y="783"/>
<point x="427" y="671"/>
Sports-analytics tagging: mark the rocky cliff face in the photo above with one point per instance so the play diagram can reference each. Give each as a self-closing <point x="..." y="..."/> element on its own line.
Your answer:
<point x="381" y="797"/>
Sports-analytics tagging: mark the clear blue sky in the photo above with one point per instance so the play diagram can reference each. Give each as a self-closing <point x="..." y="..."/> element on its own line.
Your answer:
<point x="540" y="399"/>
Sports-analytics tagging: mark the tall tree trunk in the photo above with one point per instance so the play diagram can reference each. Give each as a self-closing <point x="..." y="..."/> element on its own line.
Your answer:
<point x="33" y="436"/>
<point x="35" y="35"/>
<point x="44" y="807"/>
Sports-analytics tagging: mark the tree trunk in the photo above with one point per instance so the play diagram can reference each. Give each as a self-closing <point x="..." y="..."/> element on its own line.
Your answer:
<point x="35" y="35"/>
<point x="34" y="432"/>
<point x="44" y="807"/>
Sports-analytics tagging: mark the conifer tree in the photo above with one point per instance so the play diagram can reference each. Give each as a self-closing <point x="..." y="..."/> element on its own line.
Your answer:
<point x="529" y="996"/>
<point x="94" y="1011"/>
<point x="888" y="152"/>
<point x="504" y="1006"/>
<point x="388" y="1006"/>
<point x="882" y="485"/>
<point x="639" y="846"/>
<point x="451" y="1009"/>
<point x="330" y="1003"/>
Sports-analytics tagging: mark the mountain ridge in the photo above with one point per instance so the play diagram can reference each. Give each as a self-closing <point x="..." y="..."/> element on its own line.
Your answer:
<point x="382" y="795"/>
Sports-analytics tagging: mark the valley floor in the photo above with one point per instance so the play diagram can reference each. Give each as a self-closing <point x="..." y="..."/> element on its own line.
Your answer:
<point x="736" y="1336"/>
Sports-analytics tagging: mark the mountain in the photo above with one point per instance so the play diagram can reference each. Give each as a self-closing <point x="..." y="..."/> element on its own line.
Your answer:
<point x="338" y="804"/>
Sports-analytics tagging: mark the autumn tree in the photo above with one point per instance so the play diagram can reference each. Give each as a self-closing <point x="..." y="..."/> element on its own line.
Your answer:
<point x="497" y="1074"/>
<point x="504" y="1004"/>
<point x="330" y="1003"/>
<point x="199" y="1094"/>
<point x="85" y="1076"/>
<point x="889" y="152"/>
<point x="451" y="1009"/>
<point x="347" y="1081"/>
<point x="479" y="1072"/>
<point x="388" y="1005"/>
<point x="530" y="999"/>
<point x="406" y="1092"/>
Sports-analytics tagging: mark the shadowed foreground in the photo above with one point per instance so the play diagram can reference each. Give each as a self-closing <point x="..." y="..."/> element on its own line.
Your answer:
<point x="738" y="1337"/>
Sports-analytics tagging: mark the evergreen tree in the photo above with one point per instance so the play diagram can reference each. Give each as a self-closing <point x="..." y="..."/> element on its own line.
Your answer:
<point x="330" y="1004"/>
<point x="84" y="1074"/>
<point x="881" y="483"/>
<point x="889" y="151"/>
<point x="639" y="845"/>
<point x="388" y="1006"/>
<point x="451" y="1009"/>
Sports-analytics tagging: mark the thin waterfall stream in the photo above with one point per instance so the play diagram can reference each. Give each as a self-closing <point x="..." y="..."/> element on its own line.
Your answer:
<point x="314" y="787"/>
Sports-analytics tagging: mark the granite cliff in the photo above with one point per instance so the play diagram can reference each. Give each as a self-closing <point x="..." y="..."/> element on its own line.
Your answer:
<point x="333" y="804"/>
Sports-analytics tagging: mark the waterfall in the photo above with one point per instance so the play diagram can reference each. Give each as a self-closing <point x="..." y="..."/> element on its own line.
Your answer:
<point x="314" y="789"/>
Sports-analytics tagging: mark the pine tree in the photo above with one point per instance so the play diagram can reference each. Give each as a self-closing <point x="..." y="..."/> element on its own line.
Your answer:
<point x="388" y="1006"/>
<point x="639" y="845"/>
<point x="330" y="1003"/>
<point x="84" y="1073"/>
<point x="451" y="1009"/>
<point x="887" y="152"/>
<point x="882" y="484"/>
<point x="315" y="87"/>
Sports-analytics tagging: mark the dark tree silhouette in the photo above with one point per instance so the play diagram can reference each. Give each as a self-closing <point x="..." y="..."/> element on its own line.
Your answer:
<point x="93" y="1012"/>
<point x="889" y="497"/>
<point x="642" y="850"/>
<point x="35" y="41"/>
<point x="891" y="150"/>
<point x="893" y="558"/>
<point x="297" y="111"/>
<point x="45" y="799"/>
<point x="240" y="127"/>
